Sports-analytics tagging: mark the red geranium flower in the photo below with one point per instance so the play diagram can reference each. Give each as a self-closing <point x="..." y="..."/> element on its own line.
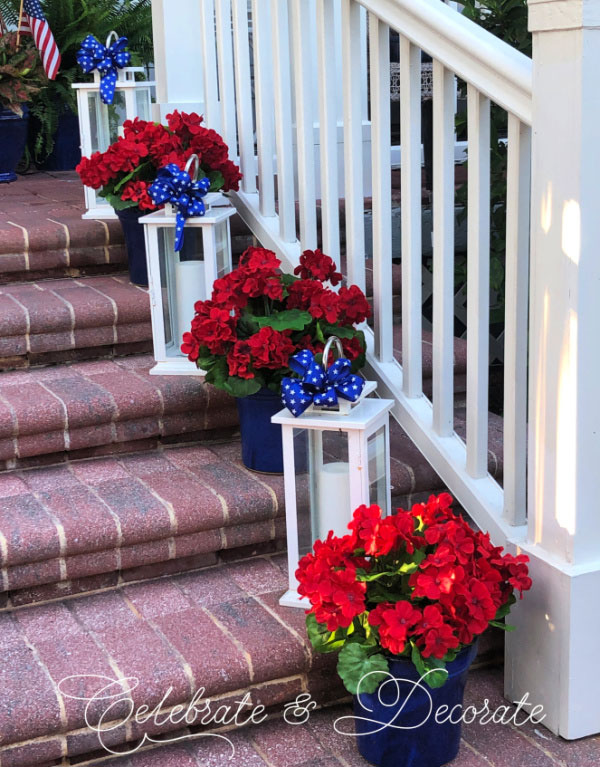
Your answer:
<point x="314" y="264"/>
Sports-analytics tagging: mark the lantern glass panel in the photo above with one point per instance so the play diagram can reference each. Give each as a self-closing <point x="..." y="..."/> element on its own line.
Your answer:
<point x="142" y="103"/>
<point x="378" y="462"/>
<point x="329" y="472"/>
<point x="223" y="248"/>
<point x="182" y="282"/>
<point x="105" y="120"/>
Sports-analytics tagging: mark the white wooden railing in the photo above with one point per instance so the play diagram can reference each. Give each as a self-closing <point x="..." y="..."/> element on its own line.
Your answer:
<point x="294" y="91"/>
<point x="315" y="86"/>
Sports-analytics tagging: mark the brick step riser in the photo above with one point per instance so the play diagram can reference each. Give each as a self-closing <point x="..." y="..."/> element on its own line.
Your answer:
<point x="48" y="580"/>
<point x="93" y="408"/>
<point x="221" y="629"/>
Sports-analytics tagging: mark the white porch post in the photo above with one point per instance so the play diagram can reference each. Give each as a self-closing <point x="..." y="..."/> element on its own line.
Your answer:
<point x="552" y="655"/>
<point x="177" y="30"/>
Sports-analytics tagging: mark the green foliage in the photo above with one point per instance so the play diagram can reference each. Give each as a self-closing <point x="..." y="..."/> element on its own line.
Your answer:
<point x="21" y="73"/>
<point x="507" y="19"/>
<point x="71" y="21"/>
<point x="432" y="669"/>
<point x="362" y="666"/>
<point x="288" y="319"/>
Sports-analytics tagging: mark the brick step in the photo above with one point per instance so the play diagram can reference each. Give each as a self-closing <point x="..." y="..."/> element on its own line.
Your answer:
<point x="94" y="408"/>
<point x="42" y="234"/>
<point x="220" y="629"/>
<point x="63" y="320"/>
<point x="317" y="742"/>
<point x="92" y="524"/>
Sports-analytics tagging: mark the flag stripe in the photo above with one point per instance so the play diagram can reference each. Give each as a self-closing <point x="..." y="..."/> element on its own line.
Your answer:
<point x="33" y="22"/>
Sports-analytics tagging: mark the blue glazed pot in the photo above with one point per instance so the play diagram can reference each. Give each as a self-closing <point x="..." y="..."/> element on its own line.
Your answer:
<point x="261" y="440"/>
<point x="133" y="232"/>
<point x="13" y="137"/>
<point x="66" y="154"/>
<point x="415" y="739"/>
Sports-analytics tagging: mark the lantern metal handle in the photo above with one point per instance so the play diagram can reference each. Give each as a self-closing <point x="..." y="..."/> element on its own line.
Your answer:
<point x="338" y="345"/>
<point x="109" y="38"/>
<point x="193" y="159"/>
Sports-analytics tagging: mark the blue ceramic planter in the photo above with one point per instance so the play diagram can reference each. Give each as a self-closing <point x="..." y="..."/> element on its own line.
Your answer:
<point x="13" y="136"/>
<point x="133" y="232"/>
<point x="261" y="440"/>
<point x="416" y="739"/>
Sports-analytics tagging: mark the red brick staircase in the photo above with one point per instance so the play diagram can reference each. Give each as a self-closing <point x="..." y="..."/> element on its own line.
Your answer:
<point x="133" y="542"/>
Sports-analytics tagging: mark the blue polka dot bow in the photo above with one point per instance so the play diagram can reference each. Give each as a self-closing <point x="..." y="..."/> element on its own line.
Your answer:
<point x="93" y="55"/>
<point x="317" y="385"/>
<point x="175" y="186"/>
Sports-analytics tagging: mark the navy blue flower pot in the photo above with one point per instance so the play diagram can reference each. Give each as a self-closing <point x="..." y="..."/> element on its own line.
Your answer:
<point x="13" y="137"/>
<point x="261" y="440"/>
<point x="408" y="733"/>
<point x="66" y="153"/>
<point x="135" y="242"/>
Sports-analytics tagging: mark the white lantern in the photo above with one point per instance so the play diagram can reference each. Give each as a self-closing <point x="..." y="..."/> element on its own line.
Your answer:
<point x="101" y="124"/>
<point x="333" y="462"/>
<point x="178" y="279"/>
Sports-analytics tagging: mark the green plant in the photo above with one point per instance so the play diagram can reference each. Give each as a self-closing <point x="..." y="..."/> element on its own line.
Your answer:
<point x="507" y="19"/>
<point x="71" y="21"/>
<point x="21" y="73"/>
<point x="418" y="584"/>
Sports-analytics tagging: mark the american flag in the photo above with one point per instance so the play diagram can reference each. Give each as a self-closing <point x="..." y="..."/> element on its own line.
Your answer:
<point x="33" y="22"/>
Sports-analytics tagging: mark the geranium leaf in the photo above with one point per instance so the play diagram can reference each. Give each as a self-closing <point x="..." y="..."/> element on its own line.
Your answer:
<point x="338" y="330"/>
<point x="217" y="181"/>
<point x="432" y="669"/>
<point x="321" y="639"/>
<point x="289" y="319"/>
<point x="242" y="387"/>
<point x="504" y="609"/>
<point x="358" y="669"/>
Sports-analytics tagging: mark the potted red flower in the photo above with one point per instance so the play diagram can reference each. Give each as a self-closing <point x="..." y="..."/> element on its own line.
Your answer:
<point x="259" y="317"/>
<point x="125" y="171"/>
<point x="404" y="599"/>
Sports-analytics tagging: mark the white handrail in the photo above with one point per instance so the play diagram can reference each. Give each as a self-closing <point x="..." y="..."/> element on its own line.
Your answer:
<point x="495" y="68"/>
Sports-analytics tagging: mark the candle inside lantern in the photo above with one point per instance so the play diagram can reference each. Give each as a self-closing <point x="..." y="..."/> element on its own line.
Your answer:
<point x="189" y="288"/>
<point x="333" y="498"/>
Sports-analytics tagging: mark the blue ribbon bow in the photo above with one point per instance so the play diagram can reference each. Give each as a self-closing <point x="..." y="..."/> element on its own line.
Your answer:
<point x="175" y="186"/>
<point x="93" y="55"/>
<point x="323" y="388"/>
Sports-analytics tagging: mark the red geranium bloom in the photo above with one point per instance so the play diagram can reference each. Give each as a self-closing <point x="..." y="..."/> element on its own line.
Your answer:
<point x="314" y="264"/>
<point x="438" y="641"/>
<point x="394" y="623"/>
<point x="271" y="348"/>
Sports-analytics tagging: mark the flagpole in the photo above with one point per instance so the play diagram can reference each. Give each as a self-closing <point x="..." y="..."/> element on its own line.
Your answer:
<point x="19" y="27"/>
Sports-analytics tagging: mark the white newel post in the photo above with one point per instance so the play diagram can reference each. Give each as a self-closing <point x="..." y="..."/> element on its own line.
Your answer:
<point x="176" y="29"/>
<point x="553" y="655"/>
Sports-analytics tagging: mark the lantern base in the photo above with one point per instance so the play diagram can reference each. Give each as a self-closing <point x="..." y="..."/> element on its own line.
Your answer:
<point x="100" y="213"/>
<point x="291" y="598"/>
<point x="178" y="366"/>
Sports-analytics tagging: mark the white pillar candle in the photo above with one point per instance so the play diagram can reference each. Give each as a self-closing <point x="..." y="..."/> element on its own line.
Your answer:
<point x="189" y="288"/>
<point x="333" y="497"/>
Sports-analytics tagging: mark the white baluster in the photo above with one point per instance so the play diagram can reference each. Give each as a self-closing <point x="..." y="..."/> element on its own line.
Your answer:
<point x="353" y="160"/>
<point x="478" y="281"/>
<point x="226" y="81"/>
<point x="379" y="41"/>
<point x="443" y="250"/>
<point x="411" y="182"/>
<point x="330" y="205"/>
<point x="516" y="323"/>
<point x="263" y="96"/>
<point x="243" y="93"/>
<point x="304" y="91"/>
<point x="209" y="71"/>
<point x="282" y="86"/>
